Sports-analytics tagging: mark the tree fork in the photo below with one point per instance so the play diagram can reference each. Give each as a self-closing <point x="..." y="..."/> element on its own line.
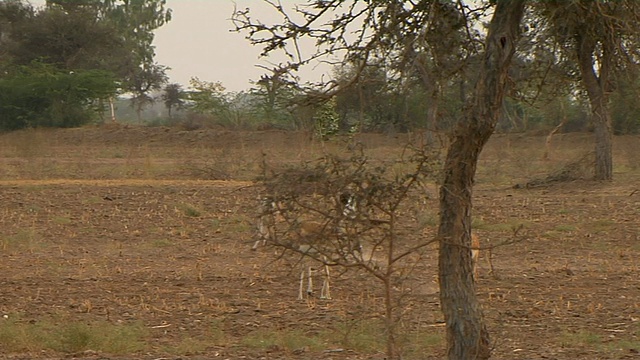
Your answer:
<point x="467" y="335"/>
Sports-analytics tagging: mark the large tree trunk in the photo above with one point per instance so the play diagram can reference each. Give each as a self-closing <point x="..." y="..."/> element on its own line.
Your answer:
<point x="604" y="142"/>
<point x="467" y="335"/>
<point x="598" y="89"/>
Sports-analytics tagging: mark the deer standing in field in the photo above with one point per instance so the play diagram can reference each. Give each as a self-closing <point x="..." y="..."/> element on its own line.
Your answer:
<point x="309" y="233"/>
<point x="475" y="254"/>
<point x="266" y="224"/>
<point x="311" y="239"/>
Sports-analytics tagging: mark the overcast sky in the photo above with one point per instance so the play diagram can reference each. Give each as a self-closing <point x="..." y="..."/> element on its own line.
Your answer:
<point x="197" y="42"/>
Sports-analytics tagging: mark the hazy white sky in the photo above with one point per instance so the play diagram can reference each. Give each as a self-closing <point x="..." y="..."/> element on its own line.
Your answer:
<point x="198" y="42"/>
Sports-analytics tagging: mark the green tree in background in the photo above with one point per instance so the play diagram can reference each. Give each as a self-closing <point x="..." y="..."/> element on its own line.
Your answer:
<point x="83" y="36"/>
<point x="625" y="107"/>
<point x="134" y="22"/>
<point x="13" y="13"/>
<point x="327" y="120"/>
<point x="144" y="80"/>
<point x="41" y="95"/>
<point x="69" y="40"/>
<point x="206" y="97"/>
<point x="173" y="98"/>
<point x="271" y="97"/>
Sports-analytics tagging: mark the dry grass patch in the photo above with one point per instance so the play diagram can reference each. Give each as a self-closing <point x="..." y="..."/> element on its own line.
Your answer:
<point x="70" y="337"/>
<point x="282" y="339"/>
<point x="581" y="338"/>
<point x="213" y="336"/>
<point x="26" y="239"/>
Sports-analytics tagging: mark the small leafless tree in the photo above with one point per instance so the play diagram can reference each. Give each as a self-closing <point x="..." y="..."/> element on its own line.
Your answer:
<point x="357" y="209"/>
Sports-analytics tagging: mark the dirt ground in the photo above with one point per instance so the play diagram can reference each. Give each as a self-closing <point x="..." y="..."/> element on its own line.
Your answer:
<point x="152" y="228"/>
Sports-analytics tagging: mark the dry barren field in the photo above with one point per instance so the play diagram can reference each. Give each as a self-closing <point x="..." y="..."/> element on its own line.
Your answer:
<point x="134" y="243"/>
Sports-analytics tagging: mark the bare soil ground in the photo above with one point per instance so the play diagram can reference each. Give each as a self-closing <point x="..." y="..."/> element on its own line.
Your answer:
<point x="150" y="229"/>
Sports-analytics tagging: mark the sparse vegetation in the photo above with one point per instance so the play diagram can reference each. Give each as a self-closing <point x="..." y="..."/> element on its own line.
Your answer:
<point x="580" y="338"/>
<point x="70" y="337"/>
<point x="287" y="340"/>
<point x="365" y="336"/>
<point x="565" y="228"/>
<point x="24" y="240"/>
<point x="189" y="210"/>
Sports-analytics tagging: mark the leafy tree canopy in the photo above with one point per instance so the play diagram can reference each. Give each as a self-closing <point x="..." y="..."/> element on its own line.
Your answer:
<point x="42" y="95"/>
<point x="207" y="97"/>
<point x="85" y="37"/>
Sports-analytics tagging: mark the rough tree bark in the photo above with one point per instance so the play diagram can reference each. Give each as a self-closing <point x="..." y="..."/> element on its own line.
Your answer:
<point x="467" y="335"/>
<point x="598" y="89"/>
